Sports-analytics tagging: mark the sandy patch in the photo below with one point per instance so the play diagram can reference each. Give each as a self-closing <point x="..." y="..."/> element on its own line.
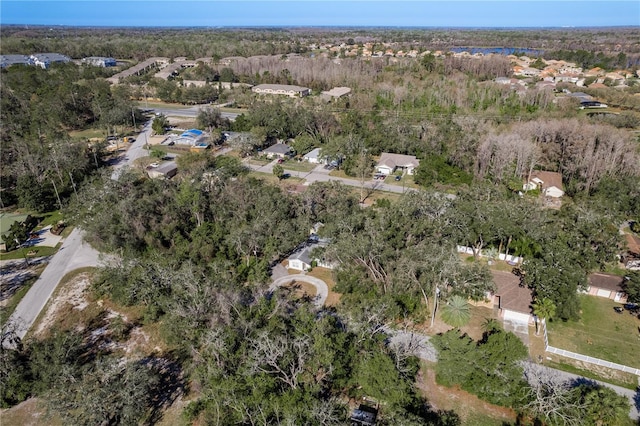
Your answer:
<point x="463" y="403"/>
<point x="73" y="295"/>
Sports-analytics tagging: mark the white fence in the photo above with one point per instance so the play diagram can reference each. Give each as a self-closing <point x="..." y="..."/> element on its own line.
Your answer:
<point x="501" y="256"/>
<point x="585" y="358"/>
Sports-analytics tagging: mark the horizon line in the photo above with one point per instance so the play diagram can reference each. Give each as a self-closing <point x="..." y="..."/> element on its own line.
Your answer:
<point x="285" y="26"/>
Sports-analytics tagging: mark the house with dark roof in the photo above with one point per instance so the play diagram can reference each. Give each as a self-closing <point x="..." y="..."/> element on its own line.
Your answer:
<point x="389" y="163"/>
<point x="512" y="300"/>
<point x="607" y="285"/>
<point x="549" y="183"/>
<point x="278" y="150"/>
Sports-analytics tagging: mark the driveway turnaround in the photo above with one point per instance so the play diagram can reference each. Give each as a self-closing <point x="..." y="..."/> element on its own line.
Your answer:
<point x="322" y="291"/>
<point x="73" y="254"/>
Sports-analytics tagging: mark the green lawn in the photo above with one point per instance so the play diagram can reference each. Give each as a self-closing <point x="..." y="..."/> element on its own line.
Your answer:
<point x="7" y="219"/>
<point x="156" y="104"/>
<point x="298" y="166"/>
<point x="406" y="181"/>
<point x="270" y="177"/>
<point x="29" y="253"/>
<point x="600" y="333"/>
<point x="259" y="160"/>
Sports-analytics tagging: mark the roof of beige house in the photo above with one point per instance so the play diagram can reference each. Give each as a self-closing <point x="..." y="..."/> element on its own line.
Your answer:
<point x="548" y="179"/>
<point x="337" y="91"/>
<point x="398" y="160"/>
<point x="606" y="281"/>
<point x="633" y="243"/>
<point x="512" y="296"/>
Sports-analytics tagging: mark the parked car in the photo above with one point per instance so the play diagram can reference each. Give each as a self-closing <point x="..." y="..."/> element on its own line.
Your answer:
<point x="280" y="160"/>
<point x="633" y="308"/>
<point x="398" y="178"/>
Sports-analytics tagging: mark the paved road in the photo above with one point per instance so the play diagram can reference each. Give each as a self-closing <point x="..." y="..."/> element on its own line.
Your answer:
<point x="191" y="112"/>
<point x="73" y="254"/>
<point x="135" y="150"/>
<point x="322" y="291"/>
<point x="320" y="174"/>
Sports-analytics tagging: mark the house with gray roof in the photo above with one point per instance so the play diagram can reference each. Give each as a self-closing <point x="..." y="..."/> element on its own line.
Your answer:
<point x="8" y="60"/>
<point x="314" y="156"/>
<point x="337" y="92"/>
<point x="389" y="163"/>
<point x="302" y="259"/>
<point x="279" y="150"/>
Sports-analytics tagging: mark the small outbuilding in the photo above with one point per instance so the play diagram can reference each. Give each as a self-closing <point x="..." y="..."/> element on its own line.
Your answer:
<point x="163" y="171"/>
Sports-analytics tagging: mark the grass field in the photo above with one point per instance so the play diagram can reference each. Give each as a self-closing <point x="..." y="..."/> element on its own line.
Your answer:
<point x="600" y="332"/>
<point x="298" y="166"/>
<point x="29" y="252"/>
<point x="7" y="219"/>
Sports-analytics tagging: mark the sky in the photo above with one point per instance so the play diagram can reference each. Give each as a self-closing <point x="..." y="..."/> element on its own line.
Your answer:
<point x="416" y="13"/>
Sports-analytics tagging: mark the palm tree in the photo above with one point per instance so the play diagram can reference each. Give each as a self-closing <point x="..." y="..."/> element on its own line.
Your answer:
<point x="543" y="309"/>
<point x="490" y="325"/>
<point x="456" y="312"/>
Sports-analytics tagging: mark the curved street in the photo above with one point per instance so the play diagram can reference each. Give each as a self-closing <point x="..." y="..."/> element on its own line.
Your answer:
<point x="322" y="291"/>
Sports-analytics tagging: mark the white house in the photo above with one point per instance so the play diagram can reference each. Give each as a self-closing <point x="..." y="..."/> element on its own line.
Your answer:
<point x="549" y="183"/>
<point x="99" y="61"/>
<point x="389" y="163"/>
<point x="302" y="259"/>
<point x="192" y="137"/>
<point x="282" y="89"/>
<point x="44" y="60"/>
<point x="314" y="157"/>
